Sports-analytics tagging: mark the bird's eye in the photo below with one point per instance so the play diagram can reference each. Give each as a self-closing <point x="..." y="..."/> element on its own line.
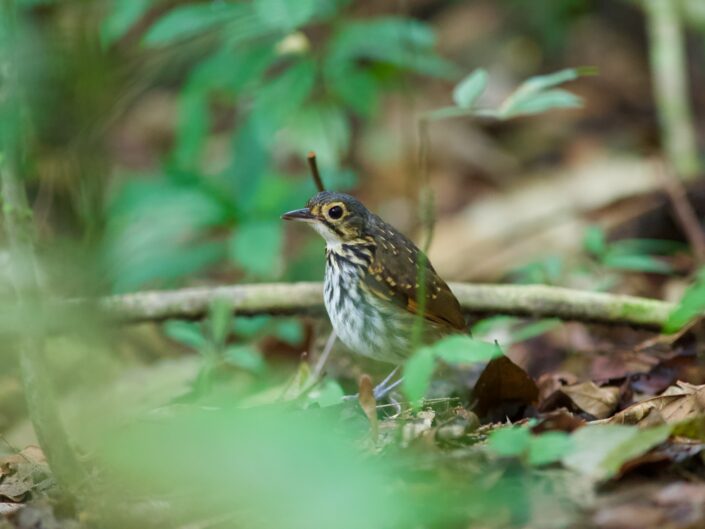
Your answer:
<point x="335" y="212"/>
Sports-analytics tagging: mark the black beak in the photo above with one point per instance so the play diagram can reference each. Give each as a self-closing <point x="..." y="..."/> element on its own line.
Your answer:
<point x="303" y="215"/>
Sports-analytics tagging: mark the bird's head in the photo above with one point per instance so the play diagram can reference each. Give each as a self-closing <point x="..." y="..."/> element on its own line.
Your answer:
<point x="338" y="217"/>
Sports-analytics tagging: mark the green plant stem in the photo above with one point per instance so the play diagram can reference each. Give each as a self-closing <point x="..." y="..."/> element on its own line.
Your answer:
<point x="37" y="381"/>
<point x="669" y="75"/>
<point x="532" y="301"/>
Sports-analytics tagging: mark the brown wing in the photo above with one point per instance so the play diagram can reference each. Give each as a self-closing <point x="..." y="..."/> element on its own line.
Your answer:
<point x="394" y="275"/>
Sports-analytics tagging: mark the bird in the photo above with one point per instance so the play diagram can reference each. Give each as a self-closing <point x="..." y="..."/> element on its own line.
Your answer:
<point x="377" y="281"/>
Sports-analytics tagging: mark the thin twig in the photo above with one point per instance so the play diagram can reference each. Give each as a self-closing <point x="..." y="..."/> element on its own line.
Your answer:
<point x="685" y="215"/>
<point x="313" y="166"/>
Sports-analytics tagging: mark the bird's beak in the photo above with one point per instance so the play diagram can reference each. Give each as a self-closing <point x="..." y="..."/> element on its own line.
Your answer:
<point x="302" y="215"/>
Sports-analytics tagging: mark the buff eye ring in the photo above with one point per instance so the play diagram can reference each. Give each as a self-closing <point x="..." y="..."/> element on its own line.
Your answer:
<point x="335" y="212"/>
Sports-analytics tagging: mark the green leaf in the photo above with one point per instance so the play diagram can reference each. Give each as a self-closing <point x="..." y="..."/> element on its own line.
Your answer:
<point x="600" y="450"/>
<point x="532" y="97"/>
<point x="249" y="162"/>
<point x="549" y="447"/>
<point x="321" y="128"/>
<point x="285" y="15"/>
<point x="636" y="263"/>
<point x="691" y="305"/>
<point x="256" y="247"/>
<point x="357" y="88"/>
<point x="122" y="16"/>
<point x="245" y="357"/>
<point x="643" y="440"/>
<point x="418" y="370"/>
<point x="290" y="331"/>
<point x="157" y="231"/>
<point x="251" y="326"/>
<point x="594" y="241"/>
<point x="185" y="332"/>
<point x="189" y="20"/>
<point x="469" y="89"/>
<point x="509" y="441"/>
<point x="283" y="96"/>
<point x="327" y="393"/>
<point x="396" y="41"/>
<point x="534" y="329"/>
<point x="461" y="349"/>
<point x="540" y="102"/>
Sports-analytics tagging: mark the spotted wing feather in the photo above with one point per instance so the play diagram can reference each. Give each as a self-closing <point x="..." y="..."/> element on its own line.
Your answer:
<point x="394" y="275"/>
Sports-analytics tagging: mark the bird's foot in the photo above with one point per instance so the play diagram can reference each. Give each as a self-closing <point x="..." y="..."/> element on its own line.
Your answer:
<point x="383" y="389"/>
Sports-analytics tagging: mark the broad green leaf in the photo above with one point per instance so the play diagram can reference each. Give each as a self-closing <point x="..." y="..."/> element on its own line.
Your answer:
<point x="321" y="128"/>
<point x="157" y="231"/>
<point x="534" y="329"/>
<point x="532" y="97"/>
<point x="122" y="16"/>
<point x="594" y="241"/>
<point x="249" y="163"/>
<point x="327" y="393"/>
<point x="189" y="20"/>
<point x="256" y="247"/>
<point x="469" y="89"/>
<point x="641" y="442"/>
<point x="461" y="349"/>
<point x="600" y="450"/>
<point x="192" y="128"/>
<point x="396" y="41"/>
<point x="509" y="441"/>
<point x="636" y="263"/>
<point x="418" y="370"/>
<point x="187" y="333"/>
<point x="358" y="88"/>
<point x="251" y="326"/>
<point x="535" y="103"/>
<point x="283" y="96"/>
<point x="691" y="305"/>
<point x="289" y="330"/>
<point x="285" y="15"/>
<point x="549" y="447"/>
<point x="245" y="357"/>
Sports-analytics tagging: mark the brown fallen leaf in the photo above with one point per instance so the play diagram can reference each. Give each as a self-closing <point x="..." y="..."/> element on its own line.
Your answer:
<point x="369" y="404"/>
<point x="678" y="403"/>
<point x="22" y="473"/>
<point x="560" y="420"/>
<point x="504" y="390"/>
<point x="591" y="398"/>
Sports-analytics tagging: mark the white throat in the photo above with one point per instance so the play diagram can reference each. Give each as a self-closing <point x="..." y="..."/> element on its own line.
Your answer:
<point x="332" y="239"/>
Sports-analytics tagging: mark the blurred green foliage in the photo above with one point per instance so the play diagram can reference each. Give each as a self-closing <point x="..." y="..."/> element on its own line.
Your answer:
<point x="691" y="305"/>
<point x="456" y="350"/>
<point x="292" y="76"/>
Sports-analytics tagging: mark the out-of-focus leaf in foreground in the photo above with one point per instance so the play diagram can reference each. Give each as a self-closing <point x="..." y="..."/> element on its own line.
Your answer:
<point x="257" y="468"/>
<point x="692" y="304"/>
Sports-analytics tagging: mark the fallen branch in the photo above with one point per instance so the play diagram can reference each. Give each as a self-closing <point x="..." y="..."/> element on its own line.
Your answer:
<point x="535" y="301"/>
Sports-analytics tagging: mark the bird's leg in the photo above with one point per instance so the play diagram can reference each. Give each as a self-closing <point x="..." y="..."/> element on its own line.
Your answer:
<point x="384" y="388"/>
<point x="318" y="369"/>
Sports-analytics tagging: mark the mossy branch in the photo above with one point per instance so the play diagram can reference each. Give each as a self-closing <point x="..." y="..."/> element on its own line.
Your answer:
<point x="533" y="301"/>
